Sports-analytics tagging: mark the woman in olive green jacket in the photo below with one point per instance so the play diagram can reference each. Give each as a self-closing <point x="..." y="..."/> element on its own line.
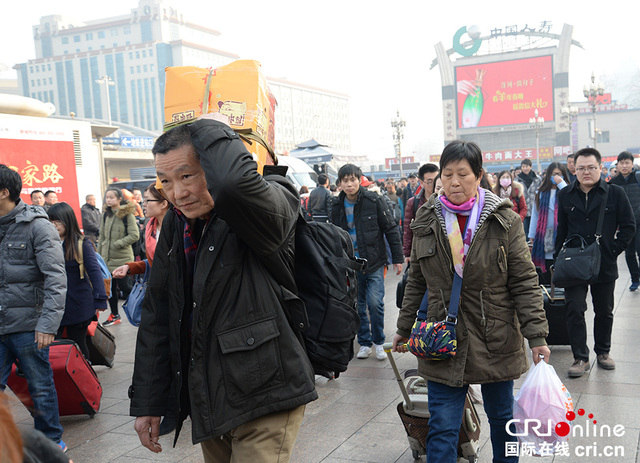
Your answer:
<point x="118" y="232"/>
<point x="474" y="233"/>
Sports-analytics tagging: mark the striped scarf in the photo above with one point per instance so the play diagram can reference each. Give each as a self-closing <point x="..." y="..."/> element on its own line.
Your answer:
<point x="538" y="252"/>
<point x="459" y="244"/>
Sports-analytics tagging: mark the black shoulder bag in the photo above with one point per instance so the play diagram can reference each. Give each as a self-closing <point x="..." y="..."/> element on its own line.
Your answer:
<point x="579" y="266"/>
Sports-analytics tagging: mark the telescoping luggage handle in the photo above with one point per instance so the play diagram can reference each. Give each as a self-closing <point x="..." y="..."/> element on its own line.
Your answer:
<point x="409" y="406"/>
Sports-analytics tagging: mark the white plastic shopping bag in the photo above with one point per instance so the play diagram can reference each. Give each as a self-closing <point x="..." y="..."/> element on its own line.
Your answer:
<point x="540" y="409"/>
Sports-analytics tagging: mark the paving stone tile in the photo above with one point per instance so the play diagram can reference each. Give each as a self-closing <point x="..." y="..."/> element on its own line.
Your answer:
<point x="375" y="442"/>
<point x="80" y="429"/>
<point x="341" y="419"/>
<point x="310" y="448"/>
<point x="104" y="448"/>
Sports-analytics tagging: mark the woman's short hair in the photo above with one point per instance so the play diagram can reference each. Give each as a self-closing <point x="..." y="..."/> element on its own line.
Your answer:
<point x="458" y="150"/>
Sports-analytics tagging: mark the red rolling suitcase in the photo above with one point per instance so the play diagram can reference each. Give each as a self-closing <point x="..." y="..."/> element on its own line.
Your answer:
<point x="77" y="386"/>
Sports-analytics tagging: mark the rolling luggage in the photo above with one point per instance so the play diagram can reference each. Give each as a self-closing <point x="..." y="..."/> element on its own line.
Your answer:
<point x="101" y="344"/>
<point x="77" y="386"/>
<point x="414" y="414"/>
<point x="556" y="312"/>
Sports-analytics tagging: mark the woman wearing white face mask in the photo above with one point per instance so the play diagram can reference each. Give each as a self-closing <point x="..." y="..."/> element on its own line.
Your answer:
<point x="544" y="219"/>
<point x="509" y="189"/>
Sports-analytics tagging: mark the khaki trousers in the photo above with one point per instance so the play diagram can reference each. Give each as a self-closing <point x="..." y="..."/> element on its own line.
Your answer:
<point x="268" y="439"/>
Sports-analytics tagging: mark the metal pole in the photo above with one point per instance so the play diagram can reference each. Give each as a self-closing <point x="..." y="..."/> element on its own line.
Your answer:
<point x="106" y="87"/>
<point x="595" y="126"/>
<point x="538" y="149"/>
<point x="106" y="81"/>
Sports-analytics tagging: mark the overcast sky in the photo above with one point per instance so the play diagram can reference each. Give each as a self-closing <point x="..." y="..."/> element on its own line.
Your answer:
<point x="379" y="53"/>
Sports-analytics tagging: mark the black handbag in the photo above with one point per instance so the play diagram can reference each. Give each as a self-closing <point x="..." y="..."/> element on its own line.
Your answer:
<point x="579" y="266"/>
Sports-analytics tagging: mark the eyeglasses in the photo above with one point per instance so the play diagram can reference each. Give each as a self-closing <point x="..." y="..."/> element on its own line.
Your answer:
<point x="588" y="168"/>
<point x="151" y="201"/>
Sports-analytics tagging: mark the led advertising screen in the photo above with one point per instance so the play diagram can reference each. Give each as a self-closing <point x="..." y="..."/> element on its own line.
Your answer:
<point x="504" y="92"/>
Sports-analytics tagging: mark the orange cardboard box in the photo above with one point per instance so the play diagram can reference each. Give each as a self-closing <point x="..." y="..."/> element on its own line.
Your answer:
<point x="238" y="90"/>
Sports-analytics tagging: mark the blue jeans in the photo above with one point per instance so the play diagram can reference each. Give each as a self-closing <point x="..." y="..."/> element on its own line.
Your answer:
<point x="371" y="295"/>
<point x="446" y="405"/>
<point x="35" y="365"/>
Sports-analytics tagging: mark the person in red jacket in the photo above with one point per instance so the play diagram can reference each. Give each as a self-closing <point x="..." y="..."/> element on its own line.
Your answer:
<point x="426" y="176"/>
<point x="508" y="188"/>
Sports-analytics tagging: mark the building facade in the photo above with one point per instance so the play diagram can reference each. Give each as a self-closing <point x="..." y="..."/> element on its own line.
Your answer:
<point x="133" y="51"/>
<point x="305" y="112"/>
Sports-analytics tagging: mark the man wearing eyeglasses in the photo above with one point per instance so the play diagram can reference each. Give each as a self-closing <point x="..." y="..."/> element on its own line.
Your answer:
<point x="578" y="210"/>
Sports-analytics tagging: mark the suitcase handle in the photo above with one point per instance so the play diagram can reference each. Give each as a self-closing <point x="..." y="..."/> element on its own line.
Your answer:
<point x="387" y="346"/>
<point x="471" y="426"/>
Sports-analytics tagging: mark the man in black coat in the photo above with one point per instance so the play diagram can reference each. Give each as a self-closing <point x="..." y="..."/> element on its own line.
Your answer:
<point x="627" y="178"/>
<point x="319" y="200"/>
<point x="91" y="218"/>
<point x="365" y="215"/>
<point x="578" y="210"/>
<point x="214" y="319"/>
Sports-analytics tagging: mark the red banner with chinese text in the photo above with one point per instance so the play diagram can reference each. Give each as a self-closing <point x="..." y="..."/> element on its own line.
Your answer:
<point x="516" y="156"/>
<point x="43" y="165"/>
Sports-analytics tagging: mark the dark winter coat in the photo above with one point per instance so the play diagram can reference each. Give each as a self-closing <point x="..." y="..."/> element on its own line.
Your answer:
<point x="33" y="283"/>
<point x="578" y="215"/>
<point x="408" y="218"/>
<point x="225" y="340"/>
<point x="500" y="301"/>
<point x="318" y="203"/>
<point x="91" y="218"/>
<point x="531" y="184"/>
<point x="631" y="187"/>
<point x="373" y="222"/>
<point x="80" y="291"/>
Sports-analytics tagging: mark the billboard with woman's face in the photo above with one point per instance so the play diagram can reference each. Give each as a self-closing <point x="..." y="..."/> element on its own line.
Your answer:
<point x="504" y="92"/>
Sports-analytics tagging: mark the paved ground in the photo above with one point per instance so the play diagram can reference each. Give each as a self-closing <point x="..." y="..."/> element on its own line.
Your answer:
<point x="355" y="420"/>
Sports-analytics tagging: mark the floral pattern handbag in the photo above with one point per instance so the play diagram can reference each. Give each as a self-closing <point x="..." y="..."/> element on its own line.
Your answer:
<point x="436" y="340"/>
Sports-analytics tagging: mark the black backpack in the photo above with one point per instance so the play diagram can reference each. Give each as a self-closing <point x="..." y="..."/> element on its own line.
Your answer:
<point x="325" y="273"/>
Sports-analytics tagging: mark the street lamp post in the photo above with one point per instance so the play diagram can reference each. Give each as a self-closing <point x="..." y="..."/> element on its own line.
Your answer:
<point x="569" y="112"/>
<point x="591" y="93"/>
<point x="106" y="81"/>
<point x="537" y="123"/>
<point x="398" y="124"/>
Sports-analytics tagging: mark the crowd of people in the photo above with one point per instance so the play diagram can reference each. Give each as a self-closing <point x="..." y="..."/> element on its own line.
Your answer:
<point x="216" y="343"/>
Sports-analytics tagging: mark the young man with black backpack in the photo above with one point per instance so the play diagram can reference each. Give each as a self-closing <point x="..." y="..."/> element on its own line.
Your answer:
<point x="366" y="217"/>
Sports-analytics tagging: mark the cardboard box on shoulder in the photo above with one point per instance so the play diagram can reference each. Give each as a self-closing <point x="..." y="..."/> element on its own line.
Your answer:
<point x="238" y="90"/>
